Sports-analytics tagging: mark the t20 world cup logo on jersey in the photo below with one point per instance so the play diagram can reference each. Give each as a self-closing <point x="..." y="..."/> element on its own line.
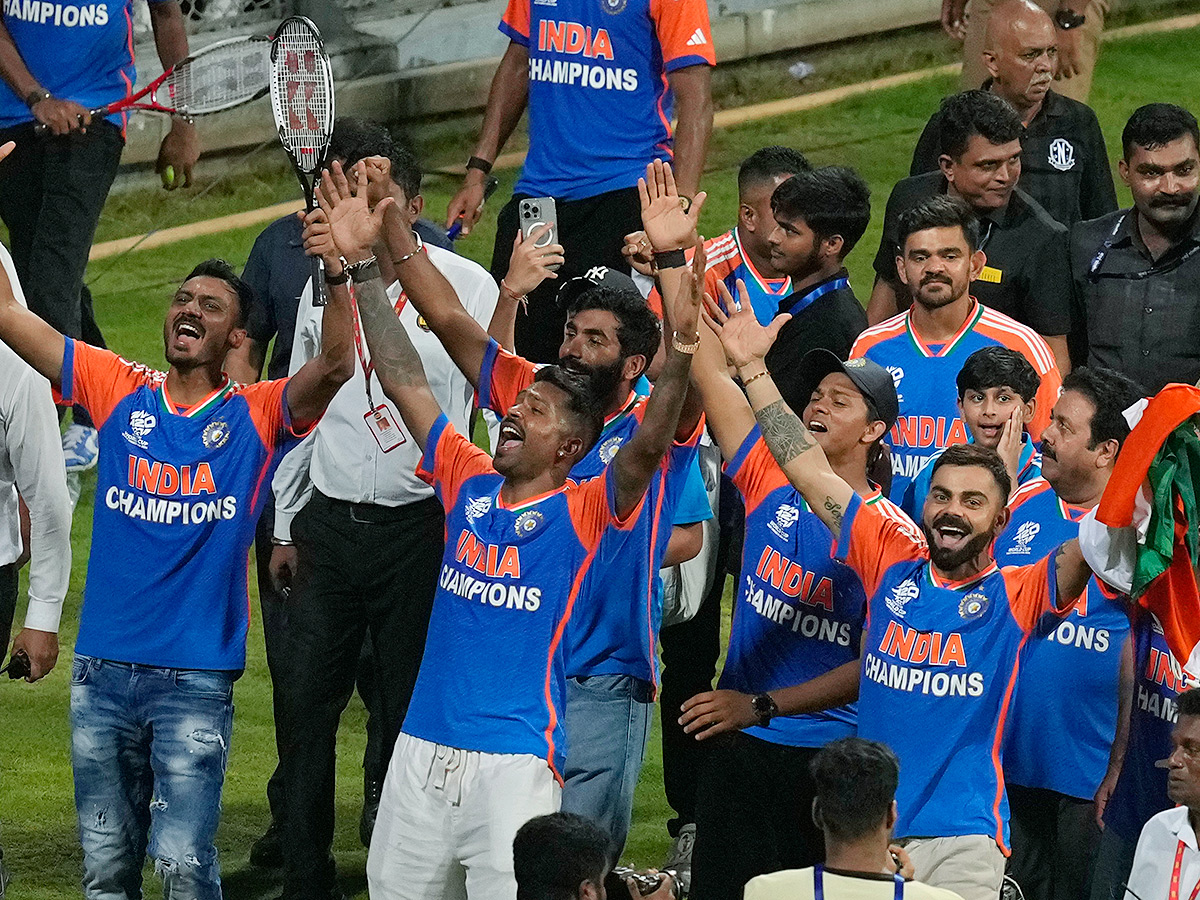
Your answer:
<point x="141" y="423"/>
<point x="897" y="374"/>
<point x="1024" y="537"/>
<point x="478" y="507"/>
<point x="901" y="595"/>
<point x="785" y="517"/>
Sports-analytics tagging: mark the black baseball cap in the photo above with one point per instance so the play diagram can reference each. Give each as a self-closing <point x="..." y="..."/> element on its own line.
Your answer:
<point x="596" y="276"/>
<point x="872" y="379"/>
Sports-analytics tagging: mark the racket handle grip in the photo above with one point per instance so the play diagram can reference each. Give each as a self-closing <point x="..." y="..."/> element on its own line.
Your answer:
<point x="41" y="128"/>
<point x="318" y="280"/>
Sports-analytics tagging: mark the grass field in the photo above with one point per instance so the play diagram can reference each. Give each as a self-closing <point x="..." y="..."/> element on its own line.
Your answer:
<point x="874" y="133"/>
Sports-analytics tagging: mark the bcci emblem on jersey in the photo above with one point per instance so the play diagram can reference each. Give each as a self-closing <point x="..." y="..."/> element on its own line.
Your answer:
<point x="478" y="507"/>
<point x="1062" y="154"/>
<point x="785" y="517"/>
<point x="528" y="522"/>
<point x="901" y="595"/>
<point x="215" y="435"/>
<point x="973" y="605"/>
<point x="612" y="7"/>
<point x="140" y="424"/>
<point x="1024" y="537"/>
<point x="609" y="449"/>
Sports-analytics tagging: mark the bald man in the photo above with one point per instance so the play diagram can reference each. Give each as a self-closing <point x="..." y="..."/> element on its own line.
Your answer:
<point x="1064" y="163"/>
<point x="1077" y="22"/>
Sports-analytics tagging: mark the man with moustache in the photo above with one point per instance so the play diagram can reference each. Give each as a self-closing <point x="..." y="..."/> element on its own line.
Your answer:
<point x="1137" y="271"/>
<point x="1064" y="164"/>
<point x="1168" y="851"/>
<point x="944" y="628"/>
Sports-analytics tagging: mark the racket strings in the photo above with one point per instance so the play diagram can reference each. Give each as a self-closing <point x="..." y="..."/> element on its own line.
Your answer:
<point x="302" y="95"/>
<point x="222" y="77"/>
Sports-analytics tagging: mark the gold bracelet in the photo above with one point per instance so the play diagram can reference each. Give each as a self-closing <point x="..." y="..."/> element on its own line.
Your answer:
<point x="689" y="349"/>
<point x="746" y="381"/>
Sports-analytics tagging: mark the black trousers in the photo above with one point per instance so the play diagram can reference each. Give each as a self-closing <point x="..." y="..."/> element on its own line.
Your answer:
<point x="753" y="815"/>
<point x="52" y="190"/>
<point x="275" y="622"/>
<point x="360" y="567"/>
<point x="592" y="232"/>
<point x="690" y="651"/>
<point x="9" y="577"/>
<point x="1054" y="841"/>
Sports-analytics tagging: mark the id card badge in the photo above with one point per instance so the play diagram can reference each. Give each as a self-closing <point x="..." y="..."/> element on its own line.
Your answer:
<point x="384" y="427"/>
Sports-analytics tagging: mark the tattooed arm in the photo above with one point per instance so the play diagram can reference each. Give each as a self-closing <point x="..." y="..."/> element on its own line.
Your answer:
<point x="795" y="449"/>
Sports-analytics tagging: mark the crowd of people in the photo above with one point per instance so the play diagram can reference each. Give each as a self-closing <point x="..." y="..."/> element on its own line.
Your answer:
<point x="930" y="683"/>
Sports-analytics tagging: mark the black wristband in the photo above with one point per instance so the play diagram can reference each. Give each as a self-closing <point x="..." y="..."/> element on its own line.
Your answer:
<point x="337" y="279"/>
<point x="36" y="97"/>
<point x="670" y="259"/>
<point x="478" y="162"/>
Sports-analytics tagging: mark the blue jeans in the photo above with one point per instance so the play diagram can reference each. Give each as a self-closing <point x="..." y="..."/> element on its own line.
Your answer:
<point x="149" y="748"/>
<point x="608" y="724"/>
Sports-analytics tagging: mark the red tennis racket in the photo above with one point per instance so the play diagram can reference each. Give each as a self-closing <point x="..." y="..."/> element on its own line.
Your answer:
<point x="219" y="77"/>
<point x="302" y="103"/>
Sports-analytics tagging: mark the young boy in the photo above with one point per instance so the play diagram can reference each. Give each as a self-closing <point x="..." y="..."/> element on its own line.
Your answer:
<point x="997" y="395"/>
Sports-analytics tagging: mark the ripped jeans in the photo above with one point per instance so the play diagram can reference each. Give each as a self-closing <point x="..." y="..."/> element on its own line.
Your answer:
<point x="149" y="747"/>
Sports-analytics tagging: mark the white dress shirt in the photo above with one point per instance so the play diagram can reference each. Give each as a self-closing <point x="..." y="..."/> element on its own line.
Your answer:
<point x="342" y="458"/>
<point x="1154" y="861"/>
<point x="31" y="463"/>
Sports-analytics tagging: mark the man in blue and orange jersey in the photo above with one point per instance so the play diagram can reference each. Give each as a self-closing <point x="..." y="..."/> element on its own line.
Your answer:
<point x="603" y="82"/>
<point x="610" y="336"/>
<point x="797" y="618"/>
<point x="944" y="629"/>
<point x="58" y="62"/>
<point x="1058" y="746"/>
<point x="483" y="744"/>
<point x="186" y="459"/>
<point x="924" y="347"/>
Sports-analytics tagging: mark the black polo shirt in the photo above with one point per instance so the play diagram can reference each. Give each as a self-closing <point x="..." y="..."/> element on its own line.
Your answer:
<point x="827" y="315"/>
<point x="1064" y="163"/>
<point x="1147" y="328"/>
<point x="1027" y="275"/>
<point x="278" y="270"/>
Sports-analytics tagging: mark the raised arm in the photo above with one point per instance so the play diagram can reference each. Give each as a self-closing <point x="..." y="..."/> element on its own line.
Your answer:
<point x="313" y="386"/>
<point x="506" y="101"/>
<point x="1072" y="572"/>
<point x="728" y="413"/>
<point x="434" y="298"/>
<point x="528" y="267"/>
<point x="803" y="461"/>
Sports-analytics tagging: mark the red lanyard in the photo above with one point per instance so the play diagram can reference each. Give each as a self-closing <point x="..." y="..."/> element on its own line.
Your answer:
<point x="1174" y="894"/>
<point x="359" y="345"/>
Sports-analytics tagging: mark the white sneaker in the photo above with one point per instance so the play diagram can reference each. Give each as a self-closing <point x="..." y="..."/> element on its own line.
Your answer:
<point x="679" y="860"/>
<point x="81" y="446"/>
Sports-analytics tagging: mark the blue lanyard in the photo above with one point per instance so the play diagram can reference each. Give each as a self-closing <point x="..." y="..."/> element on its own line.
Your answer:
<point x="815" y="294"/>
<point x="819" y="884"/>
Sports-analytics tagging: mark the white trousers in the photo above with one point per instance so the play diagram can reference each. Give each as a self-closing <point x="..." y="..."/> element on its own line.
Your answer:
<point x="447" y="819"/>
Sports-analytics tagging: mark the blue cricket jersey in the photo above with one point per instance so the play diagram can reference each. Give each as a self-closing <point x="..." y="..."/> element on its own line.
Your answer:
<point x="178" y="493"/>
<point x="1060" y="739"/>
<point x="940" y="665"/>
<point x="600" y="104"/>
<point x="616" y="631"/>
<point x="81" y="51"/>
<point x="493" y="677"/>
<point x="797" y="612"/>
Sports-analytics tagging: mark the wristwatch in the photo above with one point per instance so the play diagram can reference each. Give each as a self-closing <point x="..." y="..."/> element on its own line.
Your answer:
<point x="1066" y="19"/>
<point x="764" y="707"/>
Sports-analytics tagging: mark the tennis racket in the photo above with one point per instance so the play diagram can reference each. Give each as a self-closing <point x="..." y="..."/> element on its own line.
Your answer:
<point x="302" y="103"/>
<point x="219" y="77"/>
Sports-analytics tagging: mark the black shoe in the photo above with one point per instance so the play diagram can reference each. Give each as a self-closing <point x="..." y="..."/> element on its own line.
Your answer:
<point x="372" y="791"/>
<point x="267" y="851"/>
